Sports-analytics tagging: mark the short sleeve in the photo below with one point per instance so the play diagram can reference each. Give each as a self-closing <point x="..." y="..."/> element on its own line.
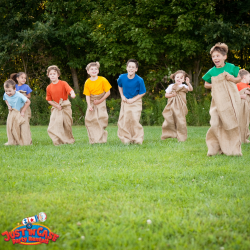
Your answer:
<point x="169" y="89"/>
<point x="207" y="77"/>
<point x="86" y="89"/>
<point x="106" y="85"/>
<point x="28" y="89"/>
<point x="24" y="98"/>
<point x="119" y="81"/>
<point x="48" y="95"/>
<point x="67" y="87"/>
<point x="236" y="70"/>
<point x="142" y="87"/>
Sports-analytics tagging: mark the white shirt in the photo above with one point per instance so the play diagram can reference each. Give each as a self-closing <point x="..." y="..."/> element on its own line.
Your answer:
<point x="169" y="89"/>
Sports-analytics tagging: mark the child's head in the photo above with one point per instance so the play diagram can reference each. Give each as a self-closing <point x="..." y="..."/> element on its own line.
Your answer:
<point x="10" y="87"/>
<point x="53" y="72"/>
<point x="219" y="54"/>
<point x="179" y="76"/>
<point x="93" y="68"/>
<point x="19" y="78"/>
<point x="132" y="66"/>
<point x="244" y="75"/>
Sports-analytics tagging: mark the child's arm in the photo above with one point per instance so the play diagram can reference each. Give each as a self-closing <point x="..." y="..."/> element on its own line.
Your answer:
<point x="9" y="107"/>
<point x="233" y="79"/>
<point x="26" y="105"/>
<point x="135" y="98"/>
<point x="28" y="96"/>
<point x="72" y="94"/>
<point x="55" y="105"/>
<point x="124" y="99"/>
<point x="88" y="102"/>
<point x="190" y="87"/>
<point x="208" y="85"/>
<point x="107" y="94"/>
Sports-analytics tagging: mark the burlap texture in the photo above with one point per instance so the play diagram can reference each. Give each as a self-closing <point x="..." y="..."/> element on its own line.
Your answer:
<point x="97" y="120"/>
<point x="174" y="125"/>
<point x="224" y="134"/>
<point x="26" y="126"/>
<point x="14" y="131"/>
<point x="129" y="128"/>
<point x="60" y="125"/>
<point x="244" y="116"/>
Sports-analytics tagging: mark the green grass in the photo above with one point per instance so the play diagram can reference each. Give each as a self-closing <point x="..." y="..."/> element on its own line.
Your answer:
<point x="193" y="201"/>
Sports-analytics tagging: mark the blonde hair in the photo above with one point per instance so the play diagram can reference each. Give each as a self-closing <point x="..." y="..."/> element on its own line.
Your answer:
<point x="219" y="47"/>
<point x="93" y="64"/>
<point x="243" y="73"/>
<point x="53" y="67"/>
<point x="9" y="84"/>
<point x="179" y="72"/>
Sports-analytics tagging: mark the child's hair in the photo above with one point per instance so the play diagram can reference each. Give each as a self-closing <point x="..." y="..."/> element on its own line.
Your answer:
<point x="134" y="61"/>
<point x="179" y="72"/>
<point x="219" y="47"/>
<point x="53" y="67"/>
<point x="93" y="64"/>
<point x="243" y="73"/>
<point x="9" y="84"/>
<point x="14" y="76"/>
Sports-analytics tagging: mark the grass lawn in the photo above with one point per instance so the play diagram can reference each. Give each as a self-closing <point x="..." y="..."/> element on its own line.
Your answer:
<point x="106" y="193"/>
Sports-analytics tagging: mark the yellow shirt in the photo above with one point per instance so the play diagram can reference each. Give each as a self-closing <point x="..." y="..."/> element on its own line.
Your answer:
<point x="96" y="87"/>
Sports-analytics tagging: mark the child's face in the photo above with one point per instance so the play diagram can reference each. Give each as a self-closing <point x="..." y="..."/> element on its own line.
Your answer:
<point x="10" y="91"/>
<point x="93" y="71"/>
<point x="21" y="79"/>
<point x="131" y="68"/>
<point x="179" y="78"/>
<point x="218" y="59"/>
<point x="247" y="78"/>
<point x="53" y="75"/>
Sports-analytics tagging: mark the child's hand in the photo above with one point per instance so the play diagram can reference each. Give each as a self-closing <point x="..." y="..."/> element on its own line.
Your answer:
<point x="124" y="99"/>
<point x="73" y="95"/>
<point x="244" y="96"/>
<point x="22" y="114"/>
<point x="229" y="77"/>
<point x="173" y="94"/>
<point x="59" y="107"/>
<point x="247" y="92"/>
<point x="130" y="101"/>
<point x="9" y="107"/>
<point x="90" y="108"/>
<point x="187" y="80"/>
<point x="96" y="102"/>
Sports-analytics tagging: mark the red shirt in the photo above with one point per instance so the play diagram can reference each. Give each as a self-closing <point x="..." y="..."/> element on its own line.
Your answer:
<point x="242" y="85"/>
<point x="57" y="91"/>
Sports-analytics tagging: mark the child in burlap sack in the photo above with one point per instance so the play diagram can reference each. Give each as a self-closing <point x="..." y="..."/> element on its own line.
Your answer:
<point x="23" y="88"/>
<point x="224" y="133"/>
<point x="174" y="125"/>
<point x="60" y="125"/>
<point x="244" y="90"/>
<point x="97" y="90"/>
<point x="132" y="89"/>
<point x="16" y="123"/>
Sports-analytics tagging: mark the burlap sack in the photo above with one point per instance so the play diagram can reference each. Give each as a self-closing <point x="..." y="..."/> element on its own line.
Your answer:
<point x="129" y="128"/>
<point x="174" y="125"/>
<point x="14" y="131"/>
<point x="26" y="126"/>
<point x="244" y="116"/>
<point x="60" y="125"/>
<point x="224" y="134"/>
<point x="97" y="120"/>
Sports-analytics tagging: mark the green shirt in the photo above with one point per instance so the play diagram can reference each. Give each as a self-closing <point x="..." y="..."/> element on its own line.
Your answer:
<point x="229" y="68"/>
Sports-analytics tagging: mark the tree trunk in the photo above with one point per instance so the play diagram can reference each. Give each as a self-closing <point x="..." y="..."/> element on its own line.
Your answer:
<point x="197" y="71"/>
<point x="25" y="64"/>
<point x="75" y="80"/>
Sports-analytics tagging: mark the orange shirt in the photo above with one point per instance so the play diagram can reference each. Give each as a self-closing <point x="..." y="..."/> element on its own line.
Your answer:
<point x="57" y="91"/>
<point x="97" y="87"/>
<point x="242" y="85"/>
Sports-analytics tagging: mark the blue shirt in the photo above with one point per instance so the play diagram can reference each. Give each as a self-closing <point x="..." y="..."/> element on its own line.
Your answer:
<point x="131" y="87"/>
<point x="24" y="87"/>
<point x="16" y="101"/>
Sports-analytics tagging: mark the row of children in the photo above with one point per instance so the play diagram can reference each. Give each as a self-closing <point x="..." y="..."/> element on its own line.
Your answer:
<point x="229" y="114"/>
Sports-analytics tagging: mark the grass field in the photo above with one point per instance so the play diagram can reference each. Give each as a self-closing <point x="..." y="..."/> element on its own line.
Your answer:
<point x="101" y="196"/>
